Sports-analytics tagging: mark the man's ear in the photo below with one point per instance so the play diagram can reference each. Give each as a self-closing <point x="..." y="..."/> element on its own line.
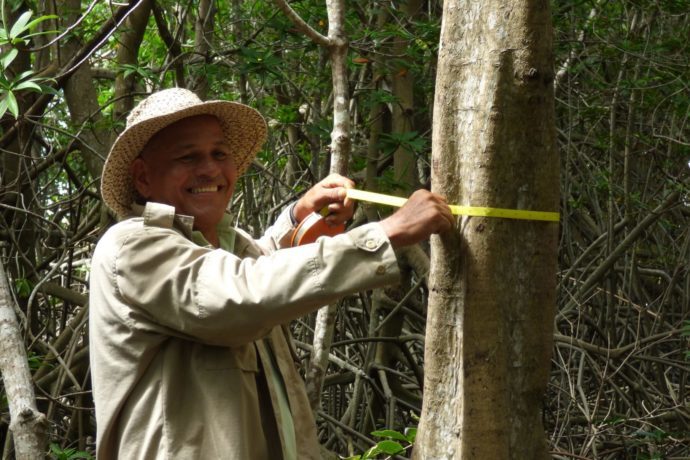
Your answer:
<point x="140" y="176"/>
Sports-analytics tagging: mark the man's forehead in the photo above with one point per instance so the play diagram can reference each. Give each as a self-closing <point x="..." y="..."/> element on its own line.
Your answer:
<point x="184" y="134"/>
<point x="191" y="144"/>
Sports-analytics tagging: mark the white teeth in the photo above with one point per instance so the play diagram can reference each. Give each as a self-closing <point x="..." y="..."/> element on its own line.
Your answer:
<point x="205" y="189"/>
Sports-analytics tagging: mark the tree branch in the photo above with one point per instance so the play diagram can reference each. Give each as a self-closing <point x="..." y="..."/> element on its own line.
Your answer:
<point x="301" y="25"/>
<point x="27" y="424"/>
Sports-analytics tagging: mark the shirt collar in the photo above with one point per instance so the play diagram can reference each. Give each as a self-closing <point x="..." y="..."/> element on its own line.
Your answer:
<point x="226" y="234"/>
<point x="185" y="223"/>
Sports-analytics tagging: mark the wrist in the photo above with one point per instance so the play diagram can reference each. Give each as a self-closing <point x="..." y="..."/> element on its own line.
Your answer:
<point x="299" y="212"/>
<point x="291" y="213"/>
<point x="392" y="231"/>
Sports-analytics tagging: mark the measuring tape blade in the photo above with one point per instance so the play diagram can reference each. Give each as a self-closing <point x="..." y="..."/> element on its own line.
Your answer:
<point x="477" y="211"/>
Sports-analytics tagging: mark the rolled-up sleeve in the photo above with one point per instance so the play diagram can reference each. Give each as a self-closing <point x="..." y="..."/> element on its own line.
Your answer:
<point x="217" y="298"/>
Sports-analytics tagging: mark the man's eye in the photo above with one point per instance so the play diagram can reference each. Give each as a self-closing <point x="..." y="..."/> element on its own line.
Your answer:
<point x="186" y="159"/>
<point x="220" y="155"/>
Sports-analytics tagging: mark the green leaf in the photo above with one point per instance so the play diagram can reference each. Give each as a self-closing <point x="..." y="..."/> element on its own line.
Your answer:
<point x="3" y="106"/>
<point x="68" y="453"/>
<point x="384" y="447"/>
<point x="614" y="420"/>
<point x="27" y="85"/>
<point x="12" y="104"/>
<point x="389" y="434"/>
<point x="409" y="140"/>
<point x="40" y="19"/>
<point x="18" y="41"/>
<point x="371" y="453"/>
<point x="20" y="26"/>
<point x="22" y="287"/>
<point x="24" y="74"/>
<point x="46" y="89"/>
<point x="8" y="58"/>
<point x="35" y="362"/>
<point x="411" y="434"/>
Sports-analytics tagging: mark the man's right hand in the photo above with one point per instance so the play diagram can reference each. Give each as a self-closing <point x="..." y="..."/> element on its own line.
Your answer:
<point x="423" y="214"/>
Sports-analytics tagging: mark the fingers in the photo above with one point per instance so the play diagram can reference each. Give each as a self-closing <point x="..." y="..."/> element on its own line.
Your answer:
<point x="336" y="180"/>
<point x="329" y="194"/>
<point x="425" y="213"/>
<point x="338" y="186"/>
<point x="340" y="210"/>
<point x="445" y="220"/>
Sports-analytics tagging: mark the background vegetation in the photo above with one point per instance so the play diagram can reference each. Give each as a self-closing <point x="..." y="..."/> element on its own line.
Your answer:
<point x="619" y="381"/>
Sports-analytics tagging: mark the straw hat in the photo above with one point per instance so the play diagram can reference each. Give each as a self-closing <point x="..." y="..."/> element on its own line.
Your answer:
<point x="244" y="129"/>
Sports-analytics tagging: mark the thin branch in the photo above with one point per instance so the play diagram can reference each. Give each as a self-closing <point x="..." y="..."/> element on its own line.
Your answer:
<point x="301" y="25"/>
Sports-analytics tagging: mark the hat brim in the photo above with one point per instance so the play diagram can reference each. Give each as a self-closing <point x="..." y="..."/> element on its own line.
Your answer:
<point x="244" y="129"/>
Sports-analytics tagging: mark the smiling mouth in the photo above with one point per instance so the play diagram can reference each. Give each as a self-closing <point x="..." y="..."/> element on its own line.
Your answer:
<point x="207" y="189"/>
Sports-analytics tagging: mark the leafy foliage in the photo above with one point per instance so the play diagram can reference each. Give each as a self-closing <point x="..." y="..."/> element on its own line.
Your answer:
<point x="18" y="34"/>
<point x="69" y="453"/>
<point x="389" y="445"/>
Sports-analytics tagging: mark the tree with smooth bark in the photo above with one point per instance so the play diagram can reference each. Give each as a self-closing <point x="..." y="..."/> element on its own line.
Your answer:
<point x="28" y="425"/>
<point x="493" y="282"/>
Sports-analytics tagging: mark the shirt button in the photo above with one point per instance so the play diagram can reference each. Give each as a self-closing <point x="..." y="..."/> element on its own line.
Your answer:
<point x="370" y="244"/>
<point x="380" y="270"/>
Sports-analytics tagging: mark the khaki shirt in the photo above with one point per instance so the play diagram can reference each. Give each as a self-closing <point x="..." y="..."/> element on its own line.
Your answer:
<point x="181" y="334"/>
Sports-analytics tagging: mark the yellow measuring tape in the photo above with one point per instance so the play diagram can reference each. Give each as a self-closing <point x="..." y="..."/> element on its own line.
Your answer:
<point x="379" y="198"/>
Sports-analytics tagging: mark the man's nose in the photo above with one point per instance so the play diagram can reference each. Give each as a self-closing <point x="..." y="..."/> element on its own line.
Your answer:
<point x="208" y="167"/>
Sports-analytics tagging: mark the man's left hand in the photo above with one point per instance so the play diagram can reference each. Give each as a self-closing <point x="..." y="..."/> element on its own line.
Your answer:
<point x="330" y="193"/>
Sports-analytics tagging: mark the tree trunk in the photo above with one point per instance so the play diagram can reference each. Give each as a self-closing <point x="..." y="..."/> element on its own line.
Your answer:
<point x="493" y="281"/>
<point x="203" y="36"/>
<point x="337" y="44"/>
<point x="82" y="99"/>
<point x="340" y="136"/>
<point x="27" y="424"/>
<point x="128" y="54"/>
<point x="402" y="117"/>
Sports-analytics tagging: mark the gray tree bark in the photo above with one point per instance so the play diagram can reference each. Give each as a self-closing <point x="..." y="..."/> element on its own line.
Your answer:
<point x="128" y="54"/>
<point x="203" y="37"/>
<point x="337" y="44"/>
<point x="27" y="424"/>
<point x="493" y="281"/>
<point x="82" y="99"/>
<point x="402" y="116"/>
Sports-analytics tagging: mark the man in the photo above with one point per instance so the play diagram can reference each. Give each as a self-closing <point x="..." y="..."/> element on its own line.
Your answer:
<point x="189" y="359"/>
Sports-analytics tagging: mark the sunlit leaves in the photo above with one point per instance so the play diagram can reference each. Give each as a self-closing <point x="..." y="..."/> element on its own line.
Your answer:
<point x="17" y="35"/>
<point x="8" y="88"/>
<point x="8" y="58"/>
<point x="394" y="443"/>
<point x="259" y="62"/>
<point x="20" y="31"/>
<point x="68" y="453"/>
<point x="22" y="287"/>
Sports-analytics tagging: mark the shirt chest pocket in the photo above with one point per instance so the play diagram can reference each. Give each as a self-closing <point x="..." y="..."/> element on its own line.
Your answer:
<point x="220" y="358"/>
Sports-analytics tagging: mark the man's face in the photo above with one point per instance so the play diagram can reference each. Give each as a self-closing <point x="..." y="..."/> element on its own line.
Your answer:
<point x="189" y="166"/>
